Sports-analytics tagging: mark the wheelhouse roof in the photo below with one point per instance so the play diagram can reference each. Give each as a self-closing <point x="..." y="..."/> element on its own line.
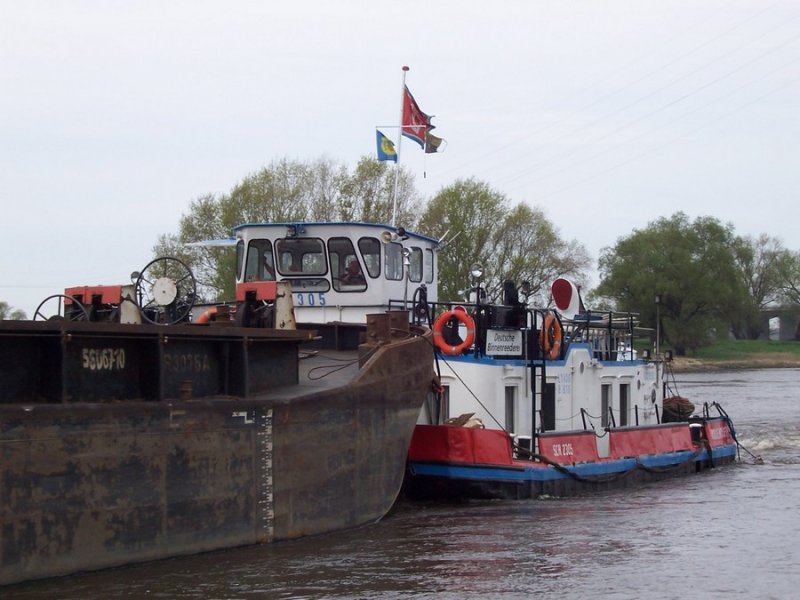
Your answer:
<point x="350" y="224"/>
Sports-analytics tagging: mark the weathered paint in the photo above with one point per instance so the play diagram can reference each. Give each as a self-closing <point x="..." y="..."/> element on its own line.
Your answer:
<point x="628" y="442"/>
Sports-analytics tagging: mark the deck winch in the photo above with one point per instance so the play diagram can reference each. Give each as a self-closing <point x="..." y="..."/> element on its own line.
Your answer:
<point x="165" y="293"/>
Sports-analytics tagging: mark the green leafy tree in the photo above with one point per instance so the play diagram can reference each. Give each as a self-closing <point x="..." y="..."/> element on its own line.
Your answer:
<point x="759" y="261"/>
<point x="8" y="313"/>
<point x="368" y="195"/>
<point x="516" y="243"/>
<point x="213" y="267"/>
<point x="285" y="191"/>
<point x="789" y="269"/>
<point x="528" y="247"/>
<point x="789" y="274"/>
<point x="465" y="214"/>
<point x="690" y="265"/>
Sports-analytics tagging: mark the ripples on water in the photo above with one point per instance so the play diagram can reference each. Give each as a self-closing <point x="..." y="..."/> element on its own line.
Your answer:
<point x="731" y="533"/>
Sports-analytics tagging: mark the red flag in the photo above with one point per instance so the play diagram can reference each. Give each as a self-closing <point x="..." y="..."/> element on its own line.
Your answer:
<point x="416" y="124"/>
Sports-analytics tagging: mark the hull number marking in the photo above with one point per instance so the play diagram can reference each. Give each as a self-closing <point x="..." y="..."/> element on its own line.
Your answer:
<point x="563" y="449"/>
<point x="187" y="363"/>
<point x="310" y="299"/>
<point x="103" y="359"/>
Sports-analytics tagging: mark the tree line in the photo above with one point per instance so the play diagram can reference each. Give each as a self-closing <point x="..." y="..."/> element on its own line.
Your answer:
<point x="13" y="314"/>
<point x="708" y="279"/>
<point x="479" y="224"/>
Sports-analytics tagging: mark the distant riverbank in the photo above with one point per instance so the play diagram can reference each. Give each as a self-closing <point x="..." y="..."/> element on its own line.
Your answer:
<point x="761" y="360"/>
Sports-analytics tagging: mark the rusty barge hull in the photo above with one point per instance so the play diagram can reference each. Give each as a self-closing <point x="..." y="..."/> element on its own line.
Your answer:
<point x="219" y="447"/>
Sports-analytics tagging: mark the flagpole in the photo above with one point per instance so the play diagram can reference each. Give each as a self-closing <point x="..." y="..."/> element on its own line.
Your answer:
<point x="399" y="144"/>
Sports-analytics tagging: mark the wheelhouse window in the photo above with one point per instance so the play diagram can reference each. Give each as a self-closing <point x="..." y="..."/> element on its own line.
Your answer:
<point x="260" y="263"/>
<point x="299" y="258"/>
<point x="371" y="254"/>
<point x="428" y="266"/>
<point x="415" y="265"/>
<point x="348" y="275"/>
<point x="393" y="269"/>
<point x="240" y="259"/>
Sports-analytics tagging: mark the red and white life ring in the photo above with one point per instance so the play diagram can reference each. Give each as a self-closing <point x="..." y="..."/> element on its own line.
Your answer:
<point x="550" y="336"/>
<point x="462" y="316"/>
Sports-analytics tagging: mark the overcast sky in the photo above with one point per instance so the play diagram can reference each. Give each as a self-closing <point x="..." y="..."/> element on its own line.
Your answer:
<point x="606" y="114"/>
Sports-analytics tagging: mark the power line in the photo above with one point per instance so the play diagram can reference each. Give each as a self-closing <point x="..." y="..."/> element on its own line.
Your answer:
<point x="494" y="151"/>
<point x="675" y="139"/>
<point x="699" y="22"/>
<point x="661" y="109"/>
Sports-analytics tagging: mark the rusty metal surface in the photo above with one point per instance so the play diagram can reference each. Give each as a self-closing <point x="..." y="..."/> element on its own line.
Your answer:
<point x="86" y="485"/>
<point x="357" y="443"/>
<point x="98" y="362"/>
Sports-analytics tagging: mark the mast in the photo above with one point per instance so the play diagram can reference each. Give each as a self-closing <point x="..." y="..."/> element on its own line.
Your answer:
<point x="399" y="144"/>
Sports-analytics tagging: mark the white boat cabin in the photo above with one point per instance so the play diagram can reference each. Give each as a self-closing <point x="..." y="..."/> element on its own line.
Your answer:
<point x="337" y="271"/>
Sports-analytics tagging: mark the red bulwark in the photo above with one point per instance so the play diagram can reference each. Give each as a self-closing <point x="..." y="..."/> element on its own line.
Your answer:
<point x="658" y="439"/>
<point x="263" y="290"/>
<point x="86" y="294"/>
<point x="718" y="433"/>
<point x="491" y="446"/>
<point x="569" y="448"/>
<point x="450" y="444"/>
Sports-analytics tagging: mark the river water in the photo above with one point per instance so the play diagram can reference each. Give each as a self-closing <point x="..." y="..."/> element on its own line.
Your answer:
<point x="730" y="533"/>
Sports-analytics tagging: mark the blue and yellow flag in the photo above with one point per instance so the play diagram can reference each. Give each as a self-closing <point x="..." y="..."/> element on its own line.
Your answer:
<point x="386" y="149"/>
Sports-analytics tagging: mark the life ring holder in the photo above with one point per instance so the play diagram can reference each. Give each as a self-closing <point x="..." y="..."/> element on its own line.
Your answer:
<point x="550" y="336"/>
<point x="462" y="316"/>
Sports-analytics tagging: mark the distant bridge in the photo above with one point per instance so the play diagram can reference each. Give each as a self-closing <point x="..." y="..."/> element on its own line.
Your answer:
<point x="788" y="323"/>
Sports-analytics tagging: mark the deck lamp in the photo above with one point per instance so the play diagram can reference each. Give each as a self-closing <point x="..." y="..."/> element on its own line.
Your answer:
<point x="476" y="271"/>
<point x="406" y="257"/>
<point x="295" y="230"/>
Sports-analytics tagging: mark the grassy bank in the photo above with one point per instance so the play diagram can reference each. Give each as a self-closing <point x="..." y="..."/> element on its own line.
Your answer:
<point x="741" y="354"/>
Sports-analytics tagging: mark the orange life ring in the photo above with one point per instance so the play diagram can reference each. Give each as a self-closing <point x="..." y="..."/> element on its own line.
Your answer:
<point x="206" y="317"/>
<point x="462" y="316"/>
<point x="550" y="336"/>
